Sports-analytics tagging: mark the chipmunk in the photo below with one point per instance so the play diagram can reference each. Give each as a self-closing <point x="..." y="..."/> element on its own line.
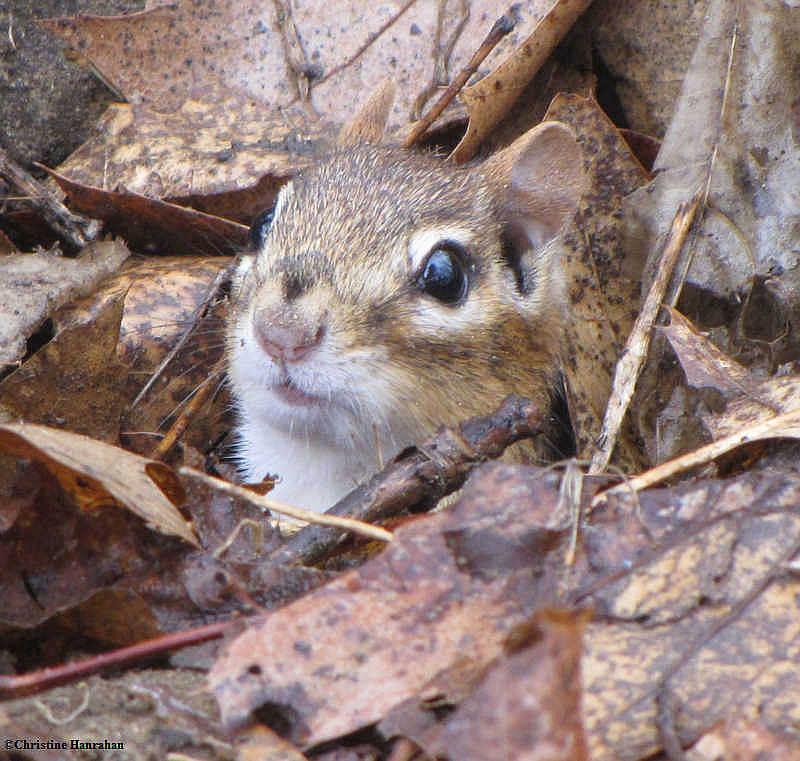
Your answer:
<point x="391" y="293"/>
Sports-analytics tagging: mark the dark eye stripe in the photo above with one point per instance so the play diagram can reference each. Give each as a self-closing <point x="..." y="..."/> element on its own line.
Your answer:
<point x="260" y="227"/>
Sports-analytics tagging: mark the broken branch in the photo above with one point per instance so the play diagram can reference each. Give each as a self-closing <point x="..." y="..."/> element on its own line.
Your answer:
<point x="421" y="475"/>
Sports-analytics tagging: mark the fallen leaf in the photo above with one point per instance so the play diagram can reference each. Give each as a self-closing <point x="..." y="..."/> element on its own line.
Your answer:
<point x="736" y="270"/>
<point x="749" y="232"/>
<point x="276" y="52"/>
<point x="491" y="98"/>
<point x="603" y="299"/>
<point x="56" y="560"/>
<point x="449" y="586"/>
<point x="770" y="397"/>
<point x="705" y="365"/>
<point x="693" y="599"/>
<point x="33" y="285"/>
<point x="737" y="739"/>
<point x="528" y="706"/>
<point x="221" y="152"/>
<point x="258" y="743"/>
<point x="75" y="380"/>
<point x="151" y="225"/>
<point x="95" y="474"/>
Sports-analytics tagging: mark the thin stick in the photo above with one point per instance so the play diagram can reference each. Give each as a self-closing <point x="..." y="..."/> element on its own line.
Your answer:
<point x="210" y="295"/>
<point x="76" y="230"/>
<point x="421" y="475"/>
<point x="501" y="28"/>
<point x="629" y="365"/>
<point x="787" y="424"/>
<point x="678" y="287"/>
<point x="265" y="503"/>
<point x="183" y="420"/>
<point x="36" y="681"/>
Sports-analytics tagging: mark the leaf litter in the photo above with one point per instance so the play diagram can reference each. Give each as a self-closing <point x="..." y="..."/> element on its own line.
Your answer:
<point x="693" y="603"/>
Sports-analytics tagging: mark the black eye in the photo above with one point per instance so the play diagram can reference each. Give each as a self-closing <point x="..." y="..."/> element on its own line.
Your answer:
<point x="260" y="226"/>
<point x="444" y="275"/>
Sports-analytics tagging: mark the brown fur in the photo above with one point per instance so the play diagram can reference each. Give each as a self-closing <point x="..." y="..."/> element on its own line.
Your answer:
<point x="337" y="258"/>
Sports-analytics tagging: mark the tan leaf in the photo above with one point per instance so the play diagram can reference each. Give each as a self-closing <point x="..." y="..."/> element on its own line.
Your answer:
<point x="95" y="474"/>
<point x="221" y="151"/>
<point x="490" y="99"/>
<point x="768" y="398"/>
<point x="738" y="739"/>
<point x="58" y="280"/>
<point x="704" y="364"/>
<point x="697" y="603"/>
<point x="276" y="51"/>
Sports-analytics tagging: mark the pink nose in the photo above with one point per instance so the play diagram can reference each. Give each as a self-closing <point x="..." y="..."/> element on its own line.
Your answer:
<point x="286" y="335"/>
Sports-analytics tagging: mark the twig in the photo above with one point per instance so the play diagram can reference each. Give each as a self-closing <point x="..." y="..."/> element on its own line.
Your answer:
<point x="421" y="475"/>
<point x="211" y="294"/>
<point x="673" y="297"/>
<point x="364" y="46"/>
<point x="72" y="228"/>
<point x="201" y="394"/>
<point x="442" y="53"/>
<point x="29" y="684"/>
<point x="500" y="29"/>
<point x="787" y="424"/>
<point x="629" y="365"/>
<point x="265" y="503"/>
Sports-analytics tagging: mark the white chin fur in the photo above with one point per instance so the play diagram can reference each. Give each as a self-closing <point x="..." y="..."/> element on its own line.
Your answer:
<point x="320" y="451"/>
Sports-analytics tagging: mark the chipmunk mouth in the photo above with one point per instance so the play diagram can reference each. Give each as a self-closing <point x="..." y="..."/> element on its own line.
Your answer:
<point x="289" y="393"/>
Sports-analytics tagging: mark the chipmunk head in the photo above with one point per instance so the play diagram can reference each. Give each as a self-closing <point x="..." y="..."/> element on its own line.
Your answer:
<point x="392" y="293"/>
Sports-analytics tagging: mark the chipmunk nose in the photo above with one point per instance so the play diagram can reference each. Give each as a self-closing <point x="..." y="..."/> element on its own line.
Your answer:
<point x="286" y="334"/>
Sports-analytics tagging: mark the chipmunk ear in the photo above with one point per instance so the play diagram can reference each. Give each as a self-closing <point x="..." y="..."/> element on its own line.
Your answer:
<point x="369" y="124"/>
<point x="540" y="178"/>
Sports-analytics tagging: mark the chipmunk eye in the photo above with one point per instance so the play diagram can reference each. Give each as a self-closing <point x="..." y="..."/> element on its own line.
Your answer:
<point x="444" y="274"/>
<point x="260" y="227"/>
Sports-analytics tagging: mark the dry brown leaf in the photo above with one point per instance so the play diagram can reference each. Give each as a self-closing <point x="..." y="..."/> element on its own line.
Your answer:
<point x="151" y="225"/>
<point x="490" y="99"/>
<point x="257" y="743"/>
<point x="107" y="345"/>
<point x="785" y="425"/>
<point x="677" y="582"/>
<point x="7" y="247"/>
<point x="341" y="657"/>
<point x="723" y="137"/>
<point x="721" y="125"/>
<point x="632" y="359"/>
<point x="56" y="560"/>
<point x="737" y="739"/>
<point x="212" y="123"/>
<point x="76" y="380"/>
<point x="95" y="474"/>
<point x="752" y="400"/>
<point x="603" y="299"/>
<point x="705" y="365"/>
<point x="221" y="152"/>
<point x="695" y="594"/>
<point x="528" y="706"/>
<point x="275" y="51"/>
<point x="774" y="394"/>
<point x="415" y="717"/>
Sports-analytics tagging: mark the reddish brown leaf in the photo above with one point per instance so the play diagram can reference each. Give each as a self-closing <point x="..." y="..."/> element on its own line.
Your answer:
<point x="448" y="587"/>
